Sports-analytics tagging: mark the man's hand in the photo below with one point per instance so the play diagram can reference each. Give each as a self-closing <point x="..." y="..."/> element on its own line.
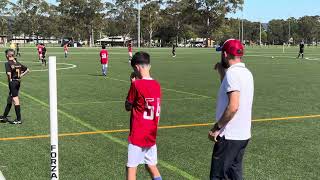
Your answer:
<point x="213" y="135"/>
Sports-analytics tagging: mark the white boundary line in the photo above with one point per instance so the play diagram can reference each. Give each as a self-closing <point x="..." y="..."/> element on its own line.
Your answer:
<point x="121" y="101"/>
<point x="269" y="56"/>
<point x="71" y="66"/>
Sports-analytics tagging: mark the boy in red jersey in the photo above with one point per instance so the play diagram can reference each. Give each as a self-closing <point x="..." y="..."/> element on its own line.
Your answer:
<point x="39" y="48"/>
<point x="65" y="48"/>
<point x="130" y="51"/>
<point x="104" y="58"/>
<point x="143" y="100"/>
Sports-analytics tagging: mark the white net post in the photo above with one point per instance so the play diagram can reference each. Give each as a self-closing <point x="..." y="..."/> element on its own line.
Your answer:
<point x="54" y="165"/>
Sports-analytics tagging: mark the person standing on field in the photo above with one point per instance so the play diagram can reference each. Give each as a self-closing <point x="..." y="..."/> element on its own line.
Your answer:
<point x="144" y="103"/>
<point x="130" y="50"/>
<point x="15" y="71"/>
<point x="104" y="58"/>
<point x="232" y="131"/>
<point x="301" y="50"/>
<point x="65" y="49"/>
<point x="18" y="50"/>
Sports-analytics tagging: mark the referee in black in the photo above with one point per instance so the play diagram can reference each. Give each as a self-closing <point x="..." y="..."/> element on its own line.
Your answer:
<point x="301" y="49"/>
<point x="15" y="71"/>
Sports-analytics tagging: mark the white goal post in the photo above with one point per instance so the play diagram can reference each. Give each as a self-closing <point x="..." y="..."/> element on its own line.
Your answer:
<point x="54" y="162"/>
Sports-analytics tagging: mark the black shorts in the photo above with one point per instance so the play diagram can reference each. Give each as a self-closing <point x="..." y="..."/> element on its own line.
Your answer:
<point x="14" y="87"/>
<point x="227" y="159"/>
<point x="301" y="51"/>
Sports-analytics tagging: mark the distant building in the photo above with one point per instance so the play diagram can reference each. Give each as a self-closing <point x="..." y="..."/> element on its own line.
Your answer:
<point x="114" y="40"/>
<point x="200" y="42"/>
<point x="21" y="39"/>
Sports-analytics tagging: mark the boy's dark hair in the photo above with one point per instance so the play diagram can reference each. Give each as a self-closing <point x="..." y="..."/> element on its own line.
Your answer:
<point x="140" y="58"/>
<point x="103" y="46"/>
<point x="9" y="51"/>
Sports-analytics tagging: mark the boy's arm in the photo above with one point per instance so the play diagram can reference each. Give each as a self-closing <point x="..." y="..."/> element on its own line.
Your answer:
<point x="128" y="106"/>
<point x="9" y="76"/>
<point x="130" y="98"/>
<point x="25" y="72"/>
<point x="8" y="71"/>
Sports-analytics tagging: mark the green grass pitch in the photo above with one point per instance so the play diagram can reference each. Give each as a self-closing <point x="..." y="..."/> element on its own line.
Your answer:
<point x="284" y="86"/>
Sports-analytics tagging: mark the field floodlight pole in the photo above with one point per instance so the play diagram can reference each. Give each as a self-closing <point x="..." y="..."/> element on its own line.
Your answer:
<point x="289" y="31"/>
<point x="92" y="35"/>
<point x="242" y="30"/>
<point x="139" y="24"/>
<point x="242" y="23"/>
<point x="239" y="29"/>
<point x="54" y="165"/>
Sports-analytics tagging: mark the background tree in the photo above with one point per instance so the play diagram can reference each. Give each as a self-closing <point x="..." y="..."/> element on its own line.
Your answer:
<point x="126" y="18"/>
<point x="276" y="32"/>
<point x="3" y="17"/>
<point x="308" y="28"/>
<point x="79" y="18"/>
<point x="28" y="16"/>
<point x="150" y="18"/>
<point x="170" y="21"/>
<point x="213" y="13"/>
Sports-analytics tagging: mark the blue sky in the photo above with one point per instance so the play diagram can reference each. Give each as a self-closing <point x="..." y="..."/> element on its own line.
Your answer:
<point x="265" y="10"/>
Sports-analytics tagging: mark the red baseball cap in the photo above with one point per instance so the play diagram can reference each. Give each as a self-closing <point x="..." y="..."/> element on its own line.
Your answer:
<point x="233" y="47"/>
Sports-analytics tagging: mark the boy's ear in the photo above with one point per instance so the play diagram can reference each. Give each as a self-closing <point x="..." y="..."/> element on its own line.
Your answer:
<point x="136" y="67"/>
<point x="225" y="54"/>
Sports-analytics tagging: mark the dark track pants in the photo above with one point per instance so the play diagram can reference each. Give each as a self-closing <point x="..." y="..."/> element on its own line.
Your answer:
<point x="227" y="158"/>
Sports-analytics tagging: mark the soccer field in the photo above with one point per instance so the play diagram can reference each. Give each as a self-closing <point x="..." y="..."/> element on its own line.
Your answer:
<point x="93" y="124"/>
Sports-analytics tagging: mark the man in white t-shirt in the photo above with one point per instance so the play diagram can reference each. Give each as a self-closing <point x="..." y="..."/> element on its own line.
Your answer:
<point x="232" y="131"/>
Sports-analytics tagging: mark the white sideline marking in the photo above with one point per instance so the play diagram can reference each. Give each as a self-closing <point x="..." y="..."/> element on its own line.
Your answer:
<point x="121" y="101"/>
<point x="167" y="89"/>
<point x="71" y="66"/>
<point x="291" y="57"/>
<point x="2" y="176"/>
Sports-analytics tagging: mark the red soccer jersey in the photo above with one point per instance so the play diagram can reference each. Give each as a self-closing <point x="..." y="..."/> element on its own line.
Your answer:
<point x="65" y="47"/>
<point x="130" y="48"/>
<point x="40" y="49"/>
<point x="145" y="97"/>
<point x="104" y="56"/>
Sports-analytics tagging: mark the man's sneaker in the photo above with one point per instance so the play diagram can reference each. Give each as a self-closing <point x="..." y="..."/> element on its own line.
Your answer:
<point x="15" y="122"/>
<point x="3" y="119"/>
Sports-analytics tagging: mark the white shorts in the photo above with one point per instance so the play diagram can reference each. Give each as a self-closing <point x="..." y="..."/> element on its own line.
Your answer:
<point x="130" y="54"/>
<point x="138" y="155"/>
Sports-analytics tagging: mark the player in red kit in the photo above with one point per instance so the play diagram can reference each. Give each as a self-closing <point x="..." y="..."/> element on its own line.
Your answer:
<point x="104" y="58"/>
<point x="144" y="102"/>
<point x="65" y="48"/>
<point x="130" y="50"/>
<point x="40" y="48"/>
